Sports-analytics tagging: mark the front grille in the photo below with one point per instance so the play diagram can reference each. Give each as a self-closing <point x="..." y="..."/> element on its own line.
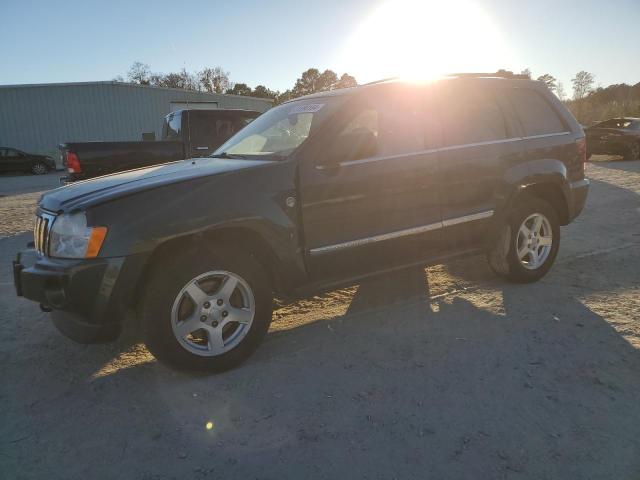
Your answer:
<point x="41" y="232"/>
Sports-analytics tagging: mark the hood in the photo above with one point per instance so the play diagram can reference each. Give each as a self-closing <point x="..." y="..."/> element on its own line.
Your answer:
<point x="80" y="195"/>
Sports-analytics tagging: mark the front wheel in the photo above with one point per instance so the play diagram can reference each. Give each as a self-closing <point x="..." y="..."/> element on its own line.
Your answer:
<point x="527" y="243"/>
<point x="210" y="313"/>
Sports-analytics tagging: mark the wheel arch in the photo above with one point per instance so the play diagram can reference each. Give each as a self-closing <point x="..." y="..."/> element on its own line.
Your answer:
<point x="237" y="237"/>
<point x="551" y="193"/>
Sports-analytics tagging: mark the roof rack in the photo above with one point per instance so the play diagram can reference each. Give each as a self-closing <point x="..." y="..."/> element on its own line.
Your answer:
<point x="498" y="74"/>
<point x="383" y="80"/>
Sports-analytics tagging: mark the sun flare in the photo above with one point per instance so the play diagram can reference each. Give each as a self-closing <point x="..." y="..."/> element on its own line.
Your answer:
<point x="425" y="39"/>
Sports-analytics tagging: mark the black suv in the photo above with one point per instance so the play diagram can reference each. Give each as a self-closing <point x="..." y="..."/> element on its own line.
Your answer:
<point x="316" y="193"/>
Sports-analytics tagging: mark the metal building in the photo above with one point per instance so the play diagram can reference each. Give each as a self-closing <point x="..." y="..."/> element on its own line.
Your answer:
<point x="36" y="118"/>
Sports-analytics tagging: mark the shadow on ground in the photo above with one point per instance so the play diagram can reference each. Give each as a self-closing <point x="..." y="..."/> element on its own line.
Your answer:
<point x="438" y="373"/>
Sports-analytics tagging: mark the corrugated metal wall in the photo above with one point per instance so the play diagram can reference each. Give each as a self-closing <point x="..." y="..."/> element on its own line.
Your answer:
<point x="36" y="118"/>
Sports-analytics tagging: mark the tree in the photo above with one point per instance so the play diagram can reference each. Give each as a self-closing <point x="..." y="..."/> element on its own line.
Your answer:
<point x="139" y="73"/>
<point x="183" y="80"/>
<point x="549" y="80"/>
<point x="240" y="89"/>
<point x="307" y="83"/>
<point x="526" y="73"/>
<point x="214" y="80"/>
<point x="263" y="92"/>
<point x="582" y="84"/>
<point x="312" y="81"/>
<point x="346" y="81"/>
<point x="560" y="92"/>
<point x="326" y="81"/>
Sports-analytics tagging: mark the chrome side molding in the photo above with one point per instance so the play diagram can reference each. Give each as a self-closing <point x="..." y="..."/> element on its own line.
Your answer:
<point x="401" y="233"/>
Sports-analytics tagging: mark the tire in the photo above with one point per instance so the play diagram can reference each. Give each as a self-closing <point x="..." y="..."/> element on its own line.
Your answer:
<point x="632" y="152"/>
<point x="39" y="168"/>
<point x="166" y="301"/>
<point x="504" y="259"/>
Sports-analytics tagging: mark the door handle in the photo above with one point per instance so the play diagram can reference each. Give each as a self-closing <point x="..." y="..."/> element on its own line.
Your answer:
<point x="202" y="148"/>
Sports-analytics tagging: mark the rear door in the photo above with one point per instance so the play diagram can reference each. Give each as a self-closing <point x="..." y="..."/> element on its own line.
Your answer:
<point x="478" y="147"/>
<point x="378" y="209"/>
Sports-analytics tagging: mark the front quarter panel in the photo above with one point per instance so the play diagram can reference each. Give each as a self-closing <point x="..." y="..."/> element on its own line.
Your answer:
<point x="253" y="198"/>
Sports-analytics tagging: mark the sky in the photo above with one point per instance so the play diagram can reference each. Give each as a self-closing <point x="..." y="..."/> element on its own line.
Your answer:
<point x="273" y="42"/>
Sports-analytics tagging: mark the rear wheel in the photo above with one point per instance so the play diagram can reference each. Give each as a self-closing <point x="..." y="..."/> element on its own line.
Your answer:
<point x="210" y="313"/>
<point x="39" y="168"/>
<point x="528" y="242"/>
<point x="632" y="152"/>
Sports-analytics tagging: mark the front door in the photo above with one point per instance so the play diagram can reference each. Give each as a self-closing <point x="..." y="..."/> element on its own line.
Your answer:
<point x="379" y="206"/>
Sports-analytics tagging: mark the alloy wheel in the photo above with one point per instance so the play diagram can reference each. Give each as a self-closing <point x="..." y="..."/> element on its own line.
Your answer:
<point x="213" y="313"/>
<point x="534" y="241"/>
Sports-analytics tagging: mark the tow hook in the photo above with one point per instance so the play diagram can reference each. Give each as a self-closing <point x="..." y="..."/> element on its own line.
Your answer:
<point x="45" y="308"/>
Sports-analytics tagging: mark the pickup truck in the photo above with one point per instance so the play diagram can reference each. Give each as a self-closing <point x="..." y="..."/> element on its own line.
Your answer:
<point x="318" y="192"/>
<point x="185" y="134"/>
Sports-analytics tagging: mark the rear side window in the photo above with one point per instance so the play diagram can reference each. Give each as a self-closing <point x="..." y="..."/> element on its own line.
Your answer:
<point x="535" y="113"/>
<point x="471" y="115"/>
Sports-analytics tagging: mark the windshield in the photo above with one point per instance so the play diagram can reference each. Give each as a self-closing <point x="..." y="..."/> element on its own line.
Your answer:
<point x="281" y="130"/>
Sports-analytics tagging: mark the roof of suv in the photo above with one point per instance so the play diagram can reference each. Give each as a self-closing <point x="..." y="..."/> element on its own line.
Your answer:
<point x="453" y="78"/>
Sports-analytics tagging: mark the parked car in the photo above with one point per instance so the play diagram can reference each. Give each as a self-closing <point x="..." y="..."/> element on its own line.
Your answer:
<point x="319" y="192"/>
<point x="185" y="134"/>
<point x="617" y="136"/>
<point x="14" y="160"/>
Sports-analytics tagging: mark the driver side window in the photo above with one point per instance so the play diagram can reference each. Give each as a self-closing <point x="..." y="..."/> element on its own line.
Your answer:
<point x="359" y="138"/>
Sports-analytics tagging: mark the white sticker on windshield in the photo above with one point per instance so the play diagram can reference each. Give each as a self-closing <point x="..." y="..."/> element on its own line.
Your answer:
<point x="308" y="108"/>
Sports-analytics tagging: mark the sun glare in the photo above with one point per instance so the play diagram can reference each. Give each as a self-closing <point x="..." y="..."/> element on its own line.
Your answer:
<point x="421" y="40"/>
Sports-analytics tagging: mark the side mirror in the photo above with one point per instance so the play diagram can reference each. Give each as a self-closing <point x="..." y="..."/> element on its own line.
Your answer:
<point x="356" y="145"/>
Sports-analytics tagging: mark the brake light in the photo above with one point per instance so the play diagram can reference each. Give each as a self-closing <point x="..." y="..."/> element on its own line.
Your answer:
<point x="73" y="163"/>
<point x="581" y="143"/>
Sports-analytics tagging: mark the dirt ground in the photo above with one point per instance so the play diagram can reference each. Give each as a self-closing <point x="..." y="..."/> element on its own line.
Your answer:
<point x="444" y="373"/>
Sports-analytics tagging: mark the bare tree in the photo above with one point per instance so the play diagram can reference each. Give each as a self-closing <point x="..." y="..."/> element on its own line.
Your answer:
<point x="582" y="84"/>
<point x="560" y="92"/>
<point x="549" y="80"/>
<point x="139" y="73"/>
<point x="214" y="80"/>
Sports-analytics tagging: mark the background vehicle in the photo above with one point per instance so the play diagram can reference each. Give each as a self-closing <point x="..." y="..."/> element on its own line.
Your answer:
<point x="617" y="136"/>
<point x="185" y="134"/>
<point x="316" y="193"/>
<point x="14" y="160"/>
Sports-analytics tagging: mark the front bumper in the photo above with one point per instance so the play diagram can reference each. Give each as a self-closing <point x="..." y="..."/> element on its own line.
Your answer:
<point x="88" y="298"/>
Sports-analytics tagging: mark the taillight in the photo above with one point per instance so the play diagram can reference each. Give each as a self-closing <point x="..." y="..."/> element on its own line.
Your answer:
<point x="581" y="143"/>
<point x="73" y="163"/>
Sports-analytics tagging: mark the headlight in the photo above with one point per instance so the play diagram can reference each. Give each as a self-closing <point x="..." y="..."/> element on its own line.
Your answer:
<point x="71" y="238"/>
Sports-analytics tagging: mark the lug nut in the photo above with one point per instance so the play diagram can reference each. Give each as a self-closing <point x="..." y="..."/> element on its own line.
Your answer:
<point x="225" y="313"/>
<point x="203" y="318"/>
<point x="206" y="304"/>
<point x="219" y="302"/>
<point x="214" y="324"/>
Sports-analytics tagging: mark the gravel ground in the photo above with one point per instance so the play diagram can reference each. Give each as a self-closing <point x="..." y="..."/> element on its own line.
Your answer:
<point x="440" y="373"/>
<point x="18" y="198"/>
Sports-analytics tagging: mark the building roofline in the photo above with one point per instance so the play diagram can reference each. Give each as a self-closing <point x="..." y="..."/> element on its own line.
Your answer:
<point x="125" y="84"/>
